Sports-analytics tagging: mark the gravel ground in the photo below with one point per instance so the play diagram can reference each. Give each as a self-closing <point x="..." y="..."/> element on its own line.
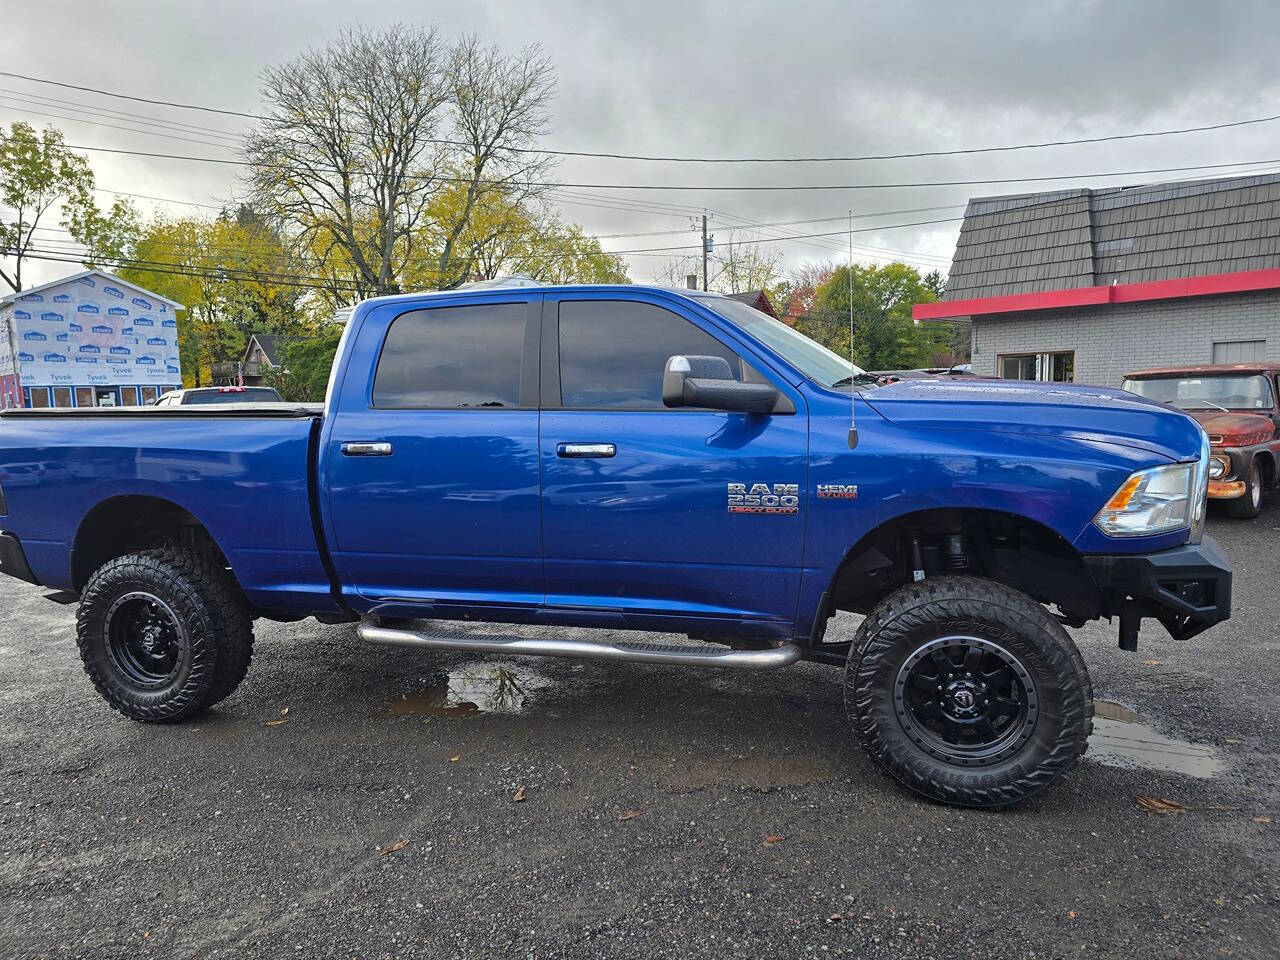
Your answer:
<point x="664" y="812"/>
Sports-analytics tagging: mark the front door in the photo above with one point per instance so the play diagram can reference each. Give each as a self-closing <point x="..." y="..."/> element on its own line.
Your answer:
<point x="649" y="510"/>
<point x="432" y="458"/>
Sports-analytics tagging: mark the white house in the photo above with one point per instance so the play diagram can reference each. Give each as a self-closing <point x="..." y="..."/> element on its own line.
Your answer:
<point x="88" y="340"/>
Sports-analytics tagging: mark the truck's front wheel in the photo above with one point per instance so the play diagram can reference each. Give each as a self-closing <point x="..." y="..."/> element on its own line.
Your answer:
<point x="163" y="634"/>
<point x="968" y="692"/>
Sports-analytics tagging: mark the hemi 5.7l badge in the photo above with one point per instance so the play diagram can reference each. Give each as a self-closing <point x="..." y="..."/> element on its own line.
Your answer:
<point x="764" y="498"/>
<point x="837" y="491"/>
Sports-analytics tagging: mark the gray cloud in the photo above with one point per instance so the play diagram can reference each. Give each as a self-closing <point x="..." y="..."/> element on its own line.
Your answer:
<point x="725" y="79"/>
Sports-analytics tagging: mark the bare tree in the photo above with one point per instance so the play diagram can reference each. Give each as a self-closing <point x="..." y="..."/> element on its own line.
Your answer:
<point x="746" y="266"/>
<point x="499" y="110"/>
<point x="348" y="155"/>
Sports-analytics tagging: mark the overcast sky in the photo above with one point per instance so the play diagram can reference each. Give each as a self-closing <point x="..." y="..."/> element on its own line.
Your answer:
<point x="718" y="79"/>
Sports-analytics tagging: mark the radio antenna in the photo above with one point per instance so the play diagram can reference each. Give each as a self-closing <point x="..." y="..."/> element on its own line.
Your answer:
<point x="853" y="393"/>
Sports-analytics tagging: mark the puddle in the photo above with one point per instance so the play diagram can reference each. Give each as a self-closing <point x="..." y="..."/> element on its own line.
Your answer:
<point x="1121" y="739"/>
<point x="471" y="689"/>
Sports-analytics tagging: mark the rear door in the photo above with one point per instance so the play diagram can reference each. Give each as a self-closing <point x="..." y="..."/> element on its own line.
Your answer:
<point x="432" y="457"/>
<point x="647" y="510"/>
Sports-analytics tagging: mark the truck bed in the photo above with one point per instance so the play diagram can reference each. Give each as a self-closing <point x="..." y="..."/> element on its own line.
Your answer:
<point x="246" y="472"/>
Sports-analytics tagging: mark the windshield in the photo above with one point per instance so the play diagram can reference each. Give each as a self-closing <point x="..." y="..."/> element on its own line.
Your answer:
<point x="808" y="356"/>
<point x="247" y="395"/>
<point x="1206" y="392"/>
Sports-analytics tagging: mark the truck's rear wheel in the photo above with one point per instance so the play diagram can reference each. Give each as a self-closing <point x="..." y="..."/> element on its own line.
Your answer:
<point x="163" y="634"/>
<point x="1249" y="505"/>
<point x="968" y="692"/>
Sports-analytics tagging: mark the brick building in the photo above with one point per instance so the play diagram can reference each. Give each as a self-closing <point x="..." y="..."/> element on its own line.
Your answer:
<point x="1084" y="285"/>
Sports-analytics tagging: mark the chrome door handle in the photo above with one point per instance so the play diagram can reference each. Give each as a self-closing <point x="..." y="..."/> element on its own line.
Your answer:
<point x="366" y="448"/>
<point x="578" y="451"/>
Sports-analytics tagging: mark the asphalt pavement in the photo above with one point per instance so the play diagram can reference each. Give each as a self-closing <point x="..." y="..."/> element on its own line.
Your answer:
<point x="358" y="801"/>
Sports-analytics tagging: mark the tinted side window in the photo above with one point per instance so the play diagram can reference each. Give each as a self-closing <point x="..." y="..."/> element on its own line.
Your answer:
<point x="453" y="357"/>
<point x="612" y="353"/>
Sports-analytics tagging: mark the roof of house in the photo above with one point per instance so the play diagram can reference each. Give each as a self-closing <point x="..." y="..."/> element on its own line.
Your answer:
<point x="1069" y="239"/>
<point x="270" y="345"/>
<point x="10" y="297"/>
<point x="755" y="298"/>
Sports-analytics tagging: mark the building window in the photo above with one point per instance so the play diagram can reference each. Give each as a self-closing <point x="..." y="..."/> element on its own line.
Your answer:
<point x="128" y="396"/>
<point x="62" y="396"/>
<point x="39" y="397"/>
<point x="148" y="395"/>
<point x="1057" y="367"/>
<point x="1239" y="351"/>
<point x="84" y="396"/>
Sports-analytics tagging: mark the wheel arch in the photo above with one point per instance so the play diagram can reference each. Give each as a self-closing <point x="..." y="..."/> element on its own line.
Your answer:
<point x="969" y="541"/>
<point x="130" y="522"/>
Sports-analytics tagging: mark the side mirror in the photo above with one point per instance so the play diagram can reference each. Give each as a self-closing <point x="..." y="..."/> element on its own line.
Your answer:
<point x="708" y="382"/>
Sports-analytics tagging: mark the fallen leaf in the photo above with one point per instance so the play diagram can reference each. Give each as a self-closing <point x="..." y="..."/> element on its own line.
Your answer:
<point x="1152" y="663"/>
<point x="519" y="796"/>
<point x="1229" y="740"/>
<point x="284" y="712"/>
<point x="1159" y="805"/>
<point x="1260" y="819"/>
<point x="630" y="814"/>
<point x="455" y="759"/>
<point x="834" y="918"/>
<point x="394" y="847"/>
<point x="773" y="838"/>
<point x="276" y="723"/>
<point x="1071" y="914"/>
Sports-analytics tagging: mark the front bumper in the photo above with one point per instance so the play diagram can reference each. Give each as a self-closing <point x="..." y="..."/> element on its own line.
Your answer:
<point x="1188" y="588"/>
<point x="1231" y="485"/>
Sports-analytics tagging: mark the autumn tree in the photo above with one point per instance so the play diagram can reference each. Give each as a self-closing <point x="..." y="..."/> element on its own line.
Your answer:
<point x="361" y="137"/>
<point x="884" y="337"/>
<point x="40" y="178"/>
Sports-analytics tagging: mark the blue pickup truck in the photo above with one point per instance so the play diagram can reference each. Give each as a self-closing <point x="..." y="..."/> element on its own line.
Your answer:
<point x="629" y="457"/>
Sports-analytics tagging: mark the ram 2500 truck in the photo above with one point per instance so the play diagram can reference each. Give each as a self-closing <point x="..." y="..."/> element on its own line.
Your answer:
<point x="626" y="457"/>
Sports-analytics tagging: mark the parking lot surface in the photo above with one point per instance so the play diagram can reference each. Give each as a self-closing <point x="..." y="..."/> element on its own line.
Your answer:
<point x="357" y="801"/>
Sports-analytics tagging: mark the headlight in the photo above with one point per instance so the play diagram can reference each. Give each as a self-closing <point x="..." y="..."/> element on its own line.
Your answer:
<point x="1152" y="501"/>
<point x="1219" y="467"/>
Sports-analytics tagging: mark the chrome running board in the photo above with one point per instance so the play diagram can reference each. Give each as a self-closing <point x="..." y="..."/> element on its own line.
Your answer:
<point x="632" y="652"/>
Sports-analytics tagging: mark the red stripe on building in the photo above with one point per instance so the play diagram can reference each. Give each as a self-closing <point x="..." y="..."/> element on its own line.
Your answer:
<point x="1216" y="283"/>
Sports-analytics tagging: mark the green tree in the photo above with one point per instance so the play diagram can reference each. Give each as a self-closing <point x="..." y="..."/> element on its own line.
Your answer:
<point x="38" y="173"/>
<point x="884" y="338"/>
<point x="307" y="362"/>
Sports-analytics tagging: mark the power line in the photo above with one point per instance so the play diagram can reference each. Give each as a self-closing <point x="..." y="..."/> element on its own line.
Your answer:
<point x="964" y="151"/>
<point x="707" y="188"/>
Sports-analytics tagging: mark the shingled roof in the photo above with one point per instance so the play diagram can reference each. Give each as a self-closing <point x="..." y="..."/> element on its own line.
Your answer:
<point x="1064" y="239"/>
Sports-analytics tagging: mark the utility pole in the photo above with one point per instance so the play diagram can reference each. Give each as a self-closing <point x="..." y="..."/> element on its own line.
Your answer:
<point x="704" y="250"/>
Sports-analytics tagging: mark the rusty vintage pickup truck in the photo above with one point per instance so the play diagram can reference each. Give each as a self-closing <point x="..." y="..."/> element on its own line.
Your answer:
<point x="1239" y="407"/>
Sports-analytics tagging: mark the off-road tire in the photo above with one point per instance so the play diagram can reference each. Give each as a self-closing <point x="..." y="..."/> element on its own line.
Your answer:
<point x="215" y="633"/>
<point x="1250" y="505"/>
<point x="967" y="606"/>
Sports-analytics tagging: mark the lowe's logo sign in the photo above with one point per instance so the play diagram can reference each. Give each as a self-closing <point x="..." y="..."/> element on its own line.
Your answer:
<point x="90" y="348"/>
<point x="26" y="358"/>
<point x="113" y="292"/>
<point x="157" y="342"/>
<point x="35" y="335"/>
<point x="146" y="361"/>
<point x="88" y="281"/>
<point x="172" y="370"/>
<point x="119" y="311"/>
<point x="54" y="358"/>
<point x="63" y="337"/>
<point x="76" y="328"/>
<point x="120" y="351"/>
<point x="116" y="360"/>
<point x="62" y="298"/>
<point x="32" y="297"/>
<point x="144" y="322"/>
<point x="168" y="323"/>
<point x="52" y="317"/>
<point x="86" y="359"/>
<point x="21" y="315"/>
<point x="87" y="308"/>
<point x="100" y="328"/>
<point x="139" y="302"/>
<point x="126" y="331"/>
